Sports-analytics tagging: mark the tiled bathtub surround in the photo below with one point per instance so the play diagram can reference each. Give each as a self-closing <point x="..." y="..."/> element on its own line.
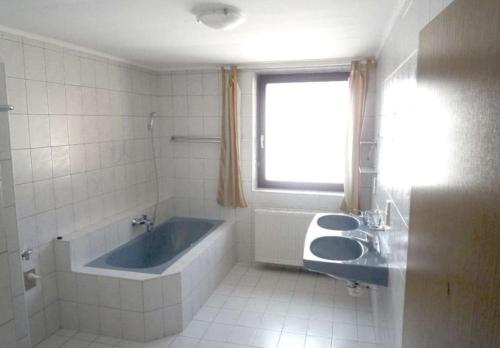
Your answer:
<point x="396" y="86"/>
<point x="139" y="306"/>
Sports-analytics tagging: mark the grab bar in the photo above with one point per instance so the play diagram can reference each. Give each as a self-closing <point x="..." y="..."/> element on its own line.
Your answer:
<point x="188" y="139"/>
<point x="6" y="107"/>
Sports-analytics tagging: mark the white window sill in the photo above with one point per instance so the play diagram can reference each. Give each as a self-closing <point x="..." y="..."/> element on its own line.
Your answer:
<point x="298" y="192"/>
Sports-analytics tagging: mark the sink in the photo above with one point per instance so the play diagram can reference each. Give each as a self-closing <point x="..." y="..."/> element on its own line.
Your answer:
<point x="338" y="222"/>
<point x="336" y="248"/>
<point x="340" y="246"/>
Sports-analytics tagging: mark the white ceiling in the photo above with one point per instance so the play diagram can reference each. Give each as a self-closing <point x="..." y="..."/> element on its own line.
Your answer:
<point x="162" y="34"/>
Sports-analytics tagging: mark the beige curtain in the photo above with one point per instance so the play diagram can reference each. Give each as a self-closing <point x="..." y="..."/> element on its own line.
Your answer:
<point x="230" y="190"/>
<point x="358" y="84"/>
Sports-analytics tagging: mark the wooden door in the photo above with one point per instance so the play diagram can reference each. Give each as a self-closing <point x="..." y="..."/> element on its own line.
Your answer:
<point x="453" y="276"/>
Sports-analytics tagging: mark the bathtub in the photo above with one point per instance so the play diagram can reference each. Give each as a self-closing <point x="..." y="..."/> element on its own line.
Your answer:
<point x="122" y="282"/>
<point x="155" y="251"/>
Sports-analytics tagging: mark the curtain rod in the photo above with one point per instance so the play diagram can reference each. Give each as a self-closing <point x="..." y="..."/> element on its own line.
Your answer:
<point x="307" y="64"/>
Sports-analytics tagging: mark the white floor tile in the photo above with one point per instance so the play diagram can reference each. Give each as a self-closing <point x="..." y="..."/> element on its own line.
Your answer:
<point x="266" y="339"/>
<point x="241" y="335"/>
<point x="345" y="331"/>
<point x="217" y="332"/>
<point x="54" y="341"/>
<point x="296" y="325"/>
<point x="196" y="329"/>
<point x="318" y="342"/>
<point x="74" y="343"/>
<point x="227" y="316"/>
<point x="184" y="342"/>
<point x="263" y="308"/>
<point x="288" y="340"/>
<point x="207" y="314"/>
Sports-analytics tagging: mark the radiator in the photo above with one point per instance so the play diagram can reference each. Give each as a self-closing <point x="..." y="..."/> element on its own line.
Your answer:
<point x="280" y="234"/>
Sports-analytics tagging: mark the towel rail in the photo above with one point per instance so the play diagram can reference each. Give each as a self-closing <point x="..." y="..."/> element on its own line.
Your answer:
<point x="192" y="139"/>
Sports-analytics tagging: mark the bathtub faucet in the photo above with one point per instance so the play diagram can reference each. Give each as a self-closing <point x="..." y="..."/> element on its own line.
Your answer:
<point x="143" y="220"/>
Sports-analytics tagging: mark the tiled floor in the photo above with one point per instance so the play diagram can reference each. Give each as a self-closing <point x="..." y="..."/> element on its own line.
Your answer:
<point x="262" y="307"/>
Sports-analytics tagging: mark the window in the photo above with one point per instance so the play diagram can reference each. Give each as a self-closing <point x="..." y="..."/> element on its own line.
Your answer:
<point x="302" y="131"/>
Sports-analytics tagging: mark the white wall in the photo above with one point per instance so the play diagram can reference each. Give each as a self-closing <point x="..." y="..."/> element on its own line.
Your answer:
<point x="190" y="102"/>
<point x="81" y="152"/>
<point x="396" y="87"/>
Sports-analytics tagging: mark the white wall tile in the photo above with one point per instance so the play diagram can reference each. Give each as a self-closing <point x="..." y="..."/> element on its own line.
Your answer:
<point x="62" y="191"/>
<point x="87" y="289"/>
<point x="39" y="130"/>
<point x="74" y="100"/>
<point x="21" y="163"/>
<point x="108" y="289"/>
<point x="54" y="65"/>
<point x="211" y="84"/>
<point x="131" y="295"/>
<point x="46" y="226"/>
<point x="72" y="69"/>
<point x="153" y="323"/>
<point x="153" y="295"/>
<point x="44" y="195"/>
<point x="37" y="327"/>
<point x="194" y="84"/>
<point x="16" y="95"/>
<point x="19" y="132"/>
<point x="101" y="73"/>
<point x="36" y="92"/>
<point x="111" y="322"/>
<point x="132" y="325"/>
<point x="69" y="315"/>
<point x="12" y="55"/>
<point x="34" y="62"/>
<point x="88" y="318"/>
<point x="60" y="161"/>
<point x="179" y="84"/>
<point x="66" y="283"/>
<point x="56" y="98"/>
<point x="41" y="160"/>
<point x="58" y="130"/>
<point x="88" y="67"/>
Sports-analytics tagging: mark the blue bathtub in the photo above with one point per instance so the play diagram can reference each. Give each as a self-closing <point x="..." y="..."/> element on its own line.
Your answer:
<point x="153" y="252"/>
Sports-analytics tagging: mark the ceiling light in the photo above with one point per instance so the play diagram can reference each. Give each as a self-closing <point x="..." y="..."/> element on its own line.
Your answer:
<point x="222" y="17"/>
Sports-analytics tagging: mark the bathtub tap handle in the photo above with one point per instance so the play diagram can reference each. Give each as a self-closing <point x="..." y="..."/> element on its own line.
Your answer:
<point x="143" y="220"/>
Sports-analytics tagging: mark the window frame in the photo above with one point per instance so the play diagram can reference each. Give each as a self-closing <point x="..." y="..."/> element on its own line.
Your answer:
<point x="262" y="81"/>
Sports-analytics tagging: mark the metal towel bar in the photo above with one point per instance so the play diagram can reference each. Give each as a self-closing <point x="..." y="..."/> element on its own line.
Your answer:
<point x="6" y="108"/>
<point x="189" y="139"/>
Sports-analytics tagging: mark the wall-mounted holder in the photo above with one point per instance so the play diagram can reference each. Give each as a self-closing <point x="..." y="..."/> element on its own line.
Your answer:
<point x="372" y="145"/>
<point x="6" y="107"/>
<point x="26" y="254"/>
<point x="30" y="279"/>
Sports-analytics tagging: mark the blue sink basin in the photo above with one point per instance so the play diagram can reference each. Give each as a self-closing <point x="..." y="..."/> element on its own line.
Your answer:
<point x="338" y="222"/>
<point x="340" y="246"/>
<point x="336" y="248"/>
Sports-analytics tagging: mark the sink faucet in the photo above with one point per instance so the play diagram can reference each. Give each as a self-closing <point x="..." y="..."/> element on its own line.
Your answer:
<point x="374" y="219"/>
<point x="369" y="239"/>
<point x="143" y="220"/>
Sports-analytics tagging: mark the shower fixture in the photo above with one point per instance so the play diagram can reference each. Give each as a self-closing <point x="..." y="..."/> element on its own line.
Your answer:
<point x="151" y="120"/>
